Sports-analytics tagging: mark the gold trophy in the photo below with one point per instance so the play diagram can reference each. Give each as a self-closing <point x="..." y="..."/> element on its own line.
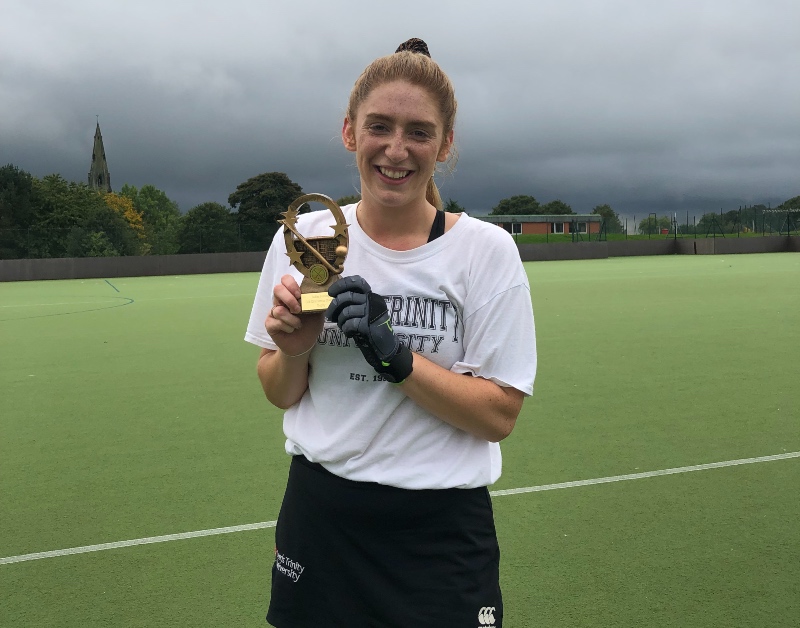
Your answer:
<point x="320" y="259"/>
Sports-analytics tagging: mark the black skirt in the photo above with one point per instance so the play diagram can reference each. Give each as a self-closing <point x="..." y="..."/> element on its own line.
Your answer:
<point x="365" y="555"/>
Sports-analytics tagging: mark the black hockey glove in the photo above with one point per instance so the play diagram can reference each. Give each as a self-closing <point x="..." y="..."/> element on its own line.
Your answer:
<point x="362" y="315"/>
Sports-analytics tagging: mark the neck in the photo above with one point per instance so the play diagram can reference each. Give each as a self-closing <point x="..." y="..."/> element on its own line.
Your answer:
<point x="396" y="228"/>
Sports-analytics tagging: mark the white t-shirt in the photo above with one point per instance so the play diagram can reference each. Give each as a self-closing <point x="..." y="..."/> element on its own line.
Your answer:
<point x="463" y="301"/>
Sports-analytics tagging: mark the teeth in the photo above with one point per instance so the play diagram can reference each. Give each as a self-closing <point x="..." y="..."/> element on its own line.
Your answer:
<point x="393" y="174"/>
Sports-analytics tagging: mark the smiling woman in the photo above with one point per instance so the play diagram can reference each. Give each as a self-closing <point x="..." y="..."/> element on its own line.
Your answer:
<point x="398" y="139"/>
<point x="438" y="99"/>
<point x="397" y="397"/>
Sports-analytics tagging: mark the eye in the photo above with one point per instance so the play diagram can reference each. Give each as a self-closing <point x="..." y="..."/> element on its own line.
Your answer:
<point x="378" y="128"/>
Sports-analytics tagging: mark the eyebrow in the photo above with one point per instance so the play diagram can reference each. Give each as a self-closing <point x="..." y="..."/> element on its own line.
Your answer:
<point x="427" y="124"/>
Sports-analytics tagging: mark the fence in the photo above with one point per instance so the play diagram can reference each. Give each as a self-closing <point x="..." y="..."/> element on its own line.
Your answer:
<point x="136" y="266"/>
<point x="131" y="266"/>
<point x="744" y="222"/>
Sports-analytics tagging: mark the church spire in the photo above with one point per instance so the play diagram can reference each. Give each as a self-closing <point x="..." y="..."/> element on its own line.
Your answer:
<point x="99" y="177"/>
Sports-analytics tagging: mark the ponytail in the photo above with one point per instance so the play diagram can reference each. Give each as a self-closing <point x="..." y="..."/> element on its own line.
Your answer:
<point x="432" y="195"/>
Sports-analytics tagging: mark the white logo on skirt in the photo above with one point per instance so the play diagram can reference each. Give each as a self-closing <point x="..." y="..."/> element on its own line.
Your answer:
<point x="486" y="616"/>
<point x="288" y="567"/>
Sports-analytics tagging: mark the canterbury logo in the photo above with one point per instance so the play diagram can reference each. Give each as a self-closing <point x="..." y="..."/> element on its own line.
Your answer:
<point x="486" y="616"/>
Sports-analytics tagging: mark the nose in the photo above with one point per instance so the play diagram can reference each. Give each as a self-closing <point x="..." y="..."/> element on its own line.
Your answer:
<point x="396" y="149"/>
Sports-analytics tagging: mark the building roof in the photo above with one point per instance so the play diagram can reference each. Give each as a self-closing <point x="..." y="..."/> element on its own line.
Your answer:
<point x="508" y="218"/>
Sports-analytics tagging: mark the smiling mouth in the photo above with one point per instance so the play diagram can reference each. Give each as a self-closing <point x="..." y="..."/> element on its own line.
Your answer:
<point x="397" y="175"/>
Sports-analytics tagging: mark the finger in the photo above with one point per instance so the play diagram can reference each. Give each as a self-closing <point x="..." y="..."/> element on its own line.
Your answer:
<point x="355" y="312"/>
<point x="282" y="296"/>
<point x="290" y="283"/>
<point x="352" y="326"/>
<point x="342" y="301"/>
<point x="354" y="283"/>
<point x="284" y="322"/>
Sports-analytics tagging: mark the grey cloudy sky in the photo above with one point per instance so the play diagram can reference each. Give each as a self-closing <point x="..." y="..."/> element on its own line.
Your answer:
<point x="645" y="105"/>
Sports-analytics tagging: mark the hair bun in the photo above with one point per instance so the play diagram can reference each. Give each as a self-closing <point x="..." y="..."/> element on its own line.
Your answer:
<point x="414" y="45"/>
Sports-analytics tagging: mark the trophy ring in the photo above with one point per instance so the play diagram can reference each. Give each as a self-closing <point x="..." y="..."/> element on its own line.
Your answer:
<point x="320" y="259"/>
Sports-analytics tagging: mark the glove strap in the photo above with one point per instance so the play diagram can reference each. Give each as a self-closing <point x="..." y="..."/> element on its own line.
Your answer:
<point x="399" y="367"/>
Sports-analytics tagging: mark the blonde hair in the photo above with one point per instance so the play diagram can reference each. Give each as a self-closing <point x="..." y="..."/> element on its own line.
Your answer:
<point x="411" y="64"/>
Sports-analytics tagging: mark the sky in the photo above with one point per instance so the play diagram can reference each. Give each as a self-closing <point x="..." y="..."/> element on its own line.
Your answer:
<point x="649" y="106"/>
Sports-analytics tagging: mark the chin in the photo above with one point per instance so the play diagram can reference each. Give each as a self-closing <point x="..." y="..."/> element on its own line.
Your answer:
<point x="392" y="198"/>
<point x="389" y="199"/>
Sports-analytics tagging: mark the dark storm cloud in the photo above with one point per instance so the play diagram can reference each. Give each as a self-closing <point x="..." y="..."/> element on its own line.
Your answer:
<point x="646" y="106"/>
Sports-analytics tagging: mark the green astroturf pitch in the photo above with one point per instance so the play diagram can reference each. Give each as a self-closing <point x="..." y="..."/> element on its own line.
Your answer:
<point x="129" y="408"/>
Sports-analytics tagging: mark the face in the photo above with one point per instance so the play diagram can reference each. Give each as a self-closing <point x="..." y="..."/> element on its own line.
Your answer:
<point x="398" y="136"/>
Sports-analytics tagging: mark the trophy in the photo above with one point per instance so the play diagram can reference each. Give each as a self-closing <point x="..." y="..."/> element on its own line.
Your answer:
<point x="320" y="259"/>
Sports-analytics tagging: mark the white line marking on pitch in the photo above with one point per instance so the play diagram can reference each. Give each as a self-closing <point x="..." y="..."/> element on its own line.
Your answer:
<point x="145" y="541"/>
<point x="512" y="491"/>
<point x="645" y="474"/>
<point x="207" y="296"/>
<point x="144" y="300"/>
<point x="62" y="303"/>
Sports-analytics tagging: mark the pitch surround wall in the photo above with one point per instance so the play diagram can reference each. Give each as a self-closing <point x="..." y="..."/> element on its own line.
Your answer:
<point x="207" y="263"/>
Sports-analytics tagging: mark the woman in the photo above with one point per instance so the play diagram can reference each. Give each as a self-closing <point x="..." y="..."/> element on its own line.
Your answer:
<point x="396" y="397"/>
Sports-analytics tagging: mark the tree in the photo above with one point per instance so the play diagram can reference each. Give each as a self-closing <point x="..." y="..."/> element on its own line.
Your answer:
<point x="556" y="207"/>
<point x="155" y="206"/>
<point x="348" y="200"/>
<point x="761" y="218"/>
<point x="725" y="223"/>
<point x="611" y="218"/>
<point x="160" y="217"/>
<point x="519" y="205"/>
<point x="102" y="232"/>
<point x="207" y="228"/>
<point x="259" y="201"/>
<point x="81" y="243"/>
<point x="792" y="209"/>
<point x="793" y="204"/>
<point x="453" y="207"/>
<point x="17" y="211"/>
<point x="69" y="217"/>
<point x="654" y="224"/>
<point x="123" y="205"/>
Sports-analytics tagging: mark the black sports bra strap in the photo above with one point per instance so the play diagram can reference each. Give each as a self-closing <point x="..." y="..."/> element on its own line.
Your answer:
<point x="437" y="229"/>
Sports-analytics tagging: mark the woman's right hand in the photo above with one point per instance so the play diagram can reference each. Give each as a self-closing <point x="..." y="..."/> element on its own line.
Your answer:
<point x="294" y="332"/>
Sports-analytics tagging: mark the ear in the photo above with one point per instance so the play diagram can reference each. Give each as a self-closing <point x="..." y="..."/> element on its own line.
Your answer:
<point x="348" y="135"/>
<point x="444" y="151"/>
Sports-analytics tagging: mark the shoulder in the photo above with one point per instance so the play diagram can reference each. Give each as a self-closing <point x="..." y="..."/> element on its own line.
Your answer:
<point x="487" y="230"/>
<point x="486" y="239"/>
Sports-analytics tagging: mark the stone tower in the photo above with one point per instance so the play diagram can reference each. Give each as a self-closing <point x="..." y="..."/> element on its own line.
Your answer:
<point x="99" y="177"/>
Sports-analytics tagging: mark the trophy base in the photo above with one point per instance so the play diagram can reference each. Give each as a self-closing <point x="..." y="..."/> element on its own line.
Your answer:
<point x="314" y="297"/>
<point x="315" y="302"/>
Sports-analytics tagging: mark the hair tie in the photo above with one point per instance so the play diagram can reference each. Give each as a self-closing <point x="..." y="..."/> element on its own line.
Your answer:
<point x="414" y="45"/>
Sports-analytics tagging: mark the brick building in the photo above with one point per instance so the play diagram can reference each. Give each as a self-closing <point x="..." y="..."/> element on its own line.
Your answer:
<point x="559" y="224"/>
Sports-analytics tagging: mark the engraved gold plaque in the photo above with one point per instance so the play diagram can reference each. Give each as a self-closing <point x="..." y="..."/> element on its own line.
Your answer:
<point x="320" y="259"/>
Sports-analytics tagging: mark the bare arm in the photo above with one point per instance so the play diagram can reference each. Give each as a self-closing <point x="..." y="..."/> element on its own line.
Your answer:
<point x="283" y="378"/>
<point x="473" y="404"/>
<point x="284" y="373"/>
